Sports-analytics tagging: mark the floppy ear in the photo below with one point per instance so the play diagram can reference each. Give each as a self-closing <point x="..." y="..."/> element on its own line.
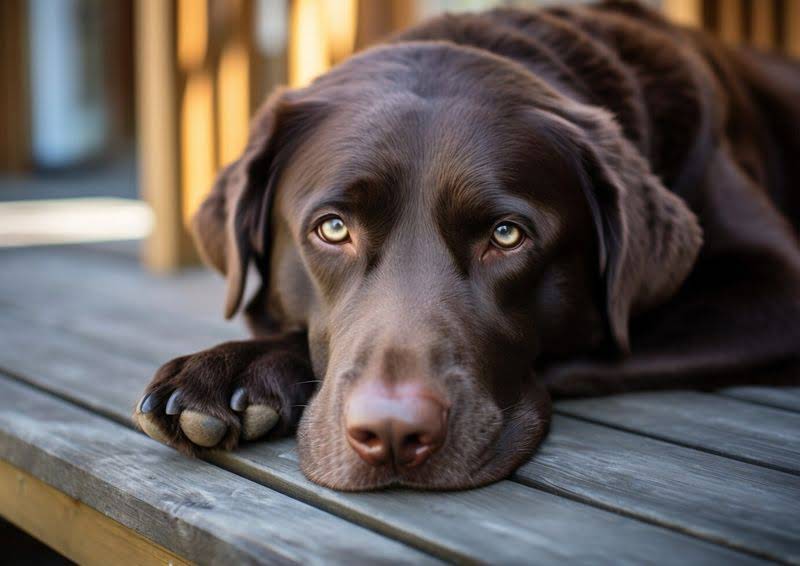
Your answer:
<point x="648" y="238"/>
<point x="231" y="227"/>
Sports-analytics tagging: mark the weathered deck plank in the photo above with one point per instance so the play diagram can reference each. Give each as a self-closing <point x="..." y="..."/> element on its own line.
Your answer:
<point x="195" y="293"/>
<point x="72" y="528"/>
<point x="751" y="433"/>
<point x="114" y="298"/>
<point x="273" y="463"/>
<point x="521" y="519"/>
<point x="728" y="501"/>
<point x="787" y="398"/>
<point x="195" y="509"/>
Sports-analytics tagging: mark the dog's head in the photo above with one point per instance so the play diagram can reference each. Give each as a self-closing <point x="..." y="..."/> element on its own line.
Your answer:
<point x="439" y="219"/>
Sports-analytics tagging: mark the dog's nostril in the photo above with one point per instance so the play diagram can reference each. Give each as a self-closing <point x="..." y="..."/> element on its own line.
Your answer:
<point x="366" y="437"/>
<point x="411" y="451"/>
<point x="372" y="448"/>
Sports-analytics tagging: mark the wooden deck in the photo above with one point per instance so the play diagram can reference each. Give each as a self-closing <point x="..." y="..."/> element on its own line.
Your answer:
<point x="667" y="478"/>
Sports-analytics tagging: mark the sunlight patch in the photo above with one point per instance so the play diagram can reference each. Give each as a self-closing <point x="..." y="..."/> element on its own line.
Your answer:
<point x="73" y="221"/>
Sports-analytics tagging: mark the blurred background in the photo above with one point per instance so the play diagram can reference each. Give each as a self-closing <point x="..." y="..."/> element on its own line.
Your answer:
<point x="116" y="114"/>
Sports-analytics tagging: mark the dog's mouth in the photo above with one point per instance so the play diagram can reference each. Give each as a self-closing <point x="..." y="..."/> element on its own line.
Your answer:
<point x="476" y="452"/>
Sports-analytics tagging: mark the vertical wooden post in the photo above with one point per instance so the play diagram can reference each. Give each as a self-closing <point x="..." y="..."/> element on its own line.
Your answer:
<point x="762" y="24"/>
<point x="15" y="108"/>
<point x="269" y="45"/>
<point x="792" y="19"/>
<point x="169" y="246"/>
<point x="375" y="21"/>
<point x="730" y="20"/>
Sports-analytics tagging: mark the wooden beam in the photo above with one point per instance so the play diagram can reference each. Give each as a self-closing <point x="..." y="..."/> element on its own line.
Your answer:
<point x="169" y="246"/>
<point x="309" y="51"/>
<point x="71" y="527"/>
<point x="15" y="108"/>
<point x="792" y="19"/>
<point x="268" y="42"/>
<point x="762" y="24"/>
<point x="730" y="18"/>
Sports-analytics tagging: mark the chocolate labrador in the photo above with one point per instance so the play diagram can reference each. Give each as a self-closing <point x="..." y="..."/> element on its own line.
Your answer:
<point x="483" y="211"/>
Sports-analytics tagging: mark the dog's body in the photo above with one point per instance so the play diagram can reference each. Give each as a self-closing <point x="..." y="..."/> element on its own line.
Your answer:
<point x="644" y="174"/>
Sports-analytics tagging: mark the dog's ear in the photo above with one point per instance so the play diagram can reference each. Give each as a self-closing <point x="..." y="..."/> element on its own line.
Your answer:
<point x="648" y="239"/>
<point x="231" y="227"/>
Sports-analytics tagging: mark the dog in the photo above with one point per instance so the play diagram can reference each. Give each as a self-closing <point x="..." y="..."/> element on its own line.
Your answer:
<point x="485" y="211"/>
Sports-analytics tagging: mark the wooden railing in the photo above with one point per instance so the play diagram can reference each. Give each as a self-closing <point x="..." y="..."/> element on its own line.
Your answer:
<point x="204" y="66"/>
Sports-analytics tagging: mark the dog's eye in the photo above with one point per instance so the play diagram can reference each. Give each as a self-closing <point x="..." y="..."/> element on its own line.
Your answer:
<point x="333" y="230"/>
<point x="507" y="235"/>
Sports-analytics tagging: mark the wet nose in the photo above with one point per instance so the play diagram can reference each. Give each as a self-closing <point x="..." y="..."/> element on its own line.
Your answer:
<point x="403" y="425"/>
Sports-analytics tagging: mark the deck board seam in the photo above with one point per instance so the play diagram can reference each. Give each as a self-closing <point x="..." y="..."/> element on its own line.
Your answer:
<point x="674" y="442"/>
<point x="706" y="537"/>
<point x="755" y="402"/>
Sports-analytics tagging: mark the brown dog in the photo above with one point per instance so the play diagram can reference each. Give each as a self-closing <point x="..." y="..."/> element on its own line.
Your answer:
<point x="486" y="209"/>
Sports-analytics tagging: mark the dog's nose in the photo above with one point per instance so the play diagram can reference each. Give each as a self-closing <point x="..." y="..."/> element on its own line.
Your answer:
<point x="405" y="424"/>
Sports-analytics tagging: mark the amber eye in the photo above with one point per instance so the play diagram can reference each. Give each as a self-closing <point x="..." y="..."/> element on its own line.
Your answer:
<point x="333" y="230"/>
<point x="507" y="235"/>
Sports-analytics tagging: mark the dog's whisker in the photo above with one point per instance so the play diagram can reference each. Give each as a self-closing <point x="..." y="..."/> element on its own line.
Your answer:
<point x="512" y="406"/>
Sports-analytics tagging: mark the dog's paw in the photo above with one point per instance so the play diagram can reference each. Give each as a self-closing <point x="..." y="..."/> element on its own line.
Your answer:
<point x="236" y="391"/>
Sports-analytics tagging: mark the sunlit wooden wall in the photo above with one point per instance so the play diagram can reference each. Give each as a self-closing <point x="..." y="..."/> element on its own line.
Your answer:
<point x="205" y="65"/>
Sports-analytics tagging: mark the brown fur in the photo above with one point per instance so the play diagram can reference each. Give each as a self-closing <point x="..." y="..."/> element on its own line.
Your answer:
<point x="653" y="170"/>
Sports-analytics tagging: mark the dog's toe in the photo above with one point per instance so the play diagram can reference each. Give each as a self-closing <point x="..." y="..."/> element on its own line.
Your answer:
<point x="150" y="426"/>
<point x="258" y="420"/>
<point x="203" y="430"/>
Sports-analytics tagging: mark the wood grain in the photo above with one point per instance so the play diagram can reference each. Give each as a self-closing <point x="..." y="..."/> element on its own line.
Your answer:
<point x="727" y="501"/>
<point x="713" y="423"/>
<point x="192" y="508"/>
<point x="71" y="527"/>
<point x="787" y="398"/>
<point x="196" y="293"/>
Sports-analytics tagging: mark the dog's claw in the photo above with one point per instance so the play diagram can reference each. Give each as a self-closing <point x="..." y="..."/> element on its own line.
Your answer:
<point x="257" y="421"/>
<point x="239" y="400"/>
<point x="204" y="430"/>
<point x="148" y="403"/>
<point x="174" y="403"/>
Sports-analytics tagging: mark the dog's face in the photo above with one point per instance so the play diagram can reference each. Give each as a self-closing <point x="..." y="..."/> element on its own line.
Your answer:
<point x="425" y="254"/>
<point x="431" y="226"/>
